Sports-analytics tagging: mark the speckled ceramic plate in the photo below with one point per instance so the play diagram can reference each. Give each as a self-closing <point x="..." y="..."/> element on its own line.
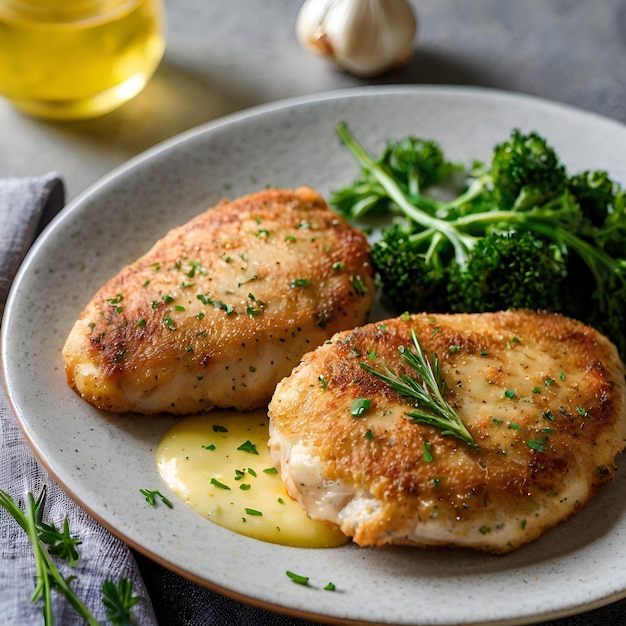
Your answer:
<point x="103" y="460"/>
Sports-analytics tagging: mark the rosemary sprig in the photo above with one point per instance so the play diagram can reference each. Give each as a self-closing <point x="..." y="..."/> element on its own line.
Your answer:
<point x="48" y="541"/>
<point x="431" y="407"/>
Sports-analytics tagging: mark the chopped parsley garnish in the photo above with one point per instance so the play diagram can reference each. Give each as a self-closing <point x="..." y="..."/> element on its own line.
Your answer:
<point x="538" y="445"/>
<point x="248" y="446"/>
<point x="218" y="484"/>
<point x="360" y="406"/>
<point x="359" y="285"/>
<point x="300" y="282"/>
<point x="118" y="298"/>
<point x="151" y="495"/>
<point x="297" y="578"/>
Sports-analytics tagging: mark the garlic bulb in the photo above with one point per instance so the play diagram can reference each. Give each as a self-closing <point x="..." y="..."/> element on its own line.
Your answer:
<point x="363" y="37"/>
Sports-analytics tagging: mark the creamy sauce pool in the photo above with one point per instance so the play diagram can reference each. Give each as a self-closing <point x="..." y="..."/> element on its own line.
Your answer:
<point x="219" y="465"/>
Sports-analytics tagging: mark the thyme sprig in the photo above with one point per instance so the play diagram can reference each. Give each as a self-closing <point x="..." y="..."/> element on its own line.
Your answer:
<point x="48" y="541"/>
<point x="431" y="408"/>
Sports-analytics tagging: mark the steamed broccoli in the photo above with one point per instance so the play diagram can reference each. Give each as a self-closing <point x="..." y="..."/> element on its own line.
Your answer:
<point x="520" y="233"/>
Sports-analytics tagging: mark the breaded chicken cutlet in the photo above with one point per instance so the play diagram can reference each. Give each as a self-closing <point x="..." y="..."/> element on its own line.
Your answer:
<point x="222" y="308"/>
<point x="542" y="396"/>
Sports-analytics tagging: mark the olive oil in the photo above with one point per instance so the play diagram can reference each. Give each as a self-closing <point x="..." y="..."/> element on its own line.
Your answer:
<point x="70" y="59"/>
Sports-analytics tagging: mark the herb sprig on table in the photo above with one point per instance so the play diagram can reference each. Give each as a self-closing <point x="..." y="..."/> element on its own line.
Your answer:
<point x="50" y="542"/>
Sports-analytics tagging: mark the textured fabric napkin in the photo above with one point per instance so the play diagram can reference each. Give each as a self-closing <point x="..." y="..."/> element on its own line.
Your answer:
<point x="26" y="206"/>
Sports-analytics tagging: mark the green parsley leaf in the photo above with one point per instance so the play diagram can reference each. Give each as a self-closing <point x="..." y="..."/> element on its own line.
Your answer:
<point x="297" y="578"/>
<point x="219" y="484"/>
<point x="248" y="446"/>
<point x="151" y="496"/>
<point x="360" y="406"/>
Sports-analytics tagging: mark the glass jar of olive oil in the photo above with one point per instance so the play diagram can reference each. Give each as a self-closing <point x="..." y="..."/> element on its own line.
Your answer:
<point x="72" y="59"/>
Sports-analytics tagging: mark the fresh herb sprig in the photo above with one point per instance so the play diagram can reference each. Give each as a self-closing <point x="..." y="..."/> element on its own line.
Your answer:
<point x="119" y="601"/>
<point x="427" y="392"/>
<point x="49" y="541"/>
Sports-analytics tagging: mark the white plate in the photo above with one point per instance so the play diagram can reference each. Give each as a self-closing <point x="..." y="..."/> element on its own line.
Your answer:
<point x="103" y="460"/>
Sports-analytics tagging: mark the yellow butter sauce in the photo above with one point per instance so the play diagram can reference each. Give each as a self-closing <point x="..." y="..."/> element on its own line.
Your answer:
<point x="219" y="465"/>
<point x="70" y="59"/>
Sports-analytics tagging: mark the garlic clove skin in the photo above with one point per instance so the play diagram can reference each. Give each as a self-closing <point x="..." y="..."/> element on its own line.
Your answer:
<point x="363" y="37"/>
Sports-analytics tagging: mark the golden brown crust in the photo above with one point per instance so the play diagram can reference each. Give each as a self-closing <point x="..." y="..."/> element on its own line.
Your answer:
<point x="222" y="307"/>
<point x="543" y="396"/>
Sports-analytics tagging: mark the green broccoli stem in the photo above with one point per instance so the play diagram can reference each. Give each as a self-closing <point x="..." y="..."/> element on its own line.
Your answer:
<point x="601" y="264"/>
<point x="475" y="189"/>
<point x="461" y="243"/>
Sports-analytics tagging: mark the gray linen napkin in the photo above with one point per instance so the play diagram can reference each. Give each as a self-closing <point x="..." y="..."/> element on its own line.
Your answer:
<point x="26" y="206"/>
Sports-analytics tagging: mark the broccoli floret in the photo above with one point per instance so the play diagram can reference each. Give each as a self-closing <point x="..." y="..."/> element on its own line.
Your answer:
<point x="509" y="270"/>
<point x="595" y="193"/>
<point x="410" y="281"/>
<point x="417" y="164"/>
<point x="522" y="234"/>
<point x="525" y="172"/>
